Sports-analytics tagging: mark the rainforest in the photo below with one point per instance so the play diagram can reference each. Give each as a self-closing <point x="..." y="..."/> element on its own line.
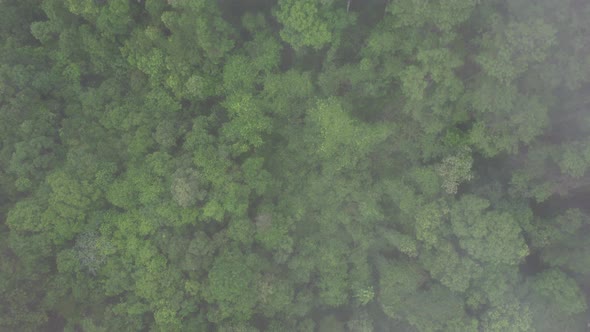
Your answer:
<point x="295" y="165"/>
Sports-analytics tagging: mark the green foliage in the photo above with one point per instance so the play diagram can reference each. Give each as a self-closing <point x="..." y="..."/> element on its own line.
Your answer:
<point x="306" y="23"/>
<point x="330" y="323"/>
<point x="449" y="268"/>
<point x="92" y="250"/>
<point x="443" y="14"/>
<point x="454" y="170"/>
<point x="294" y="165"/>
<point x="489" y="236"/>
<point x="513" y="47"/>
<point x="562" y="291"/>
<point x="438" y="309"/>
<point x="361" y="322"/>
<point x="247" y="125"/>
<point x="341" y="138"/>
<point x="556" y="302"/>
<point x="575" y="159"/>
<point x="508" y="317"/>
<point x="231" y="286"/>
<point x="397" y="281"/>
<point x="186" y="189"/>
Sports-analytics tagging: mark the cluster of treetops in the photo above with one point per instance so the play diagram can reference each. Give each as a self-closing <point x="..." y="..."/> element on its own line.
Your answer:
<point x="294" y="165"/>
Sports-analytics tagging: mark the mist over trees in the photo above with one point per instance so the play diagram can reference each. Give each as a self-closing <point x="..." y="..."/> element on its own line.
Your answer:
<point x="294" y="165"/>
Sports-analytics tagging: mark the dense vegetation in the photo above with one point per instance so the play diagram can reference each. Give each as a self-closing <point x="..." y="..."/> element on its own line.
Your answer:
<point x="291" y="165"/>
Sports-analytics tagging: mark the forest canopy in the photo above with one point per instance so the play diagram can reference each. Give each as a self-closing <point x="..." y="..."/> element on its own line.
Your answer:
<point x="294" y="165"/>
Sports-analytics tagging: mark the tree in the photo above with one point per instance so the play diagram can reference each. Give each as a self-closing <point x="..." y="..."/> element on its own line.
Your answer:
<point x="310" y="23"/>
<point x="511" y="48"/>
<point x="556" y="302"/>
<point x="294" y="165"/>
<point x="508" y="317"/>
<point x="454" y="170"/>
<point x="490" y="236"/>
<point x="231" y="287"/>
<point x="186" y="189"/>
<point x="341" y="138"/>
